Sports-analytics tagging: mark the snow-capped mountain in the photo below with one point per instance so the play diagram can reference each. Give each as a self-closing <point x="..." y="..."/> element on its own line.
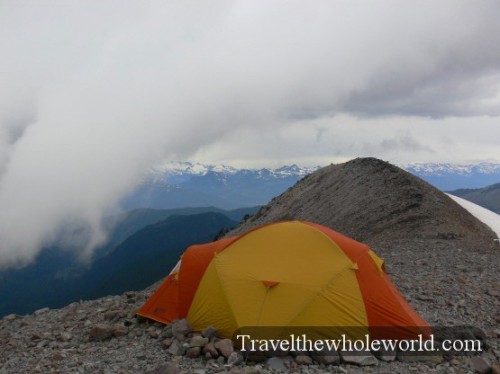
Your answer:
<point x="464" y="169"/>
<point x="448" y="176"/>
<point x="186" y="184"/>
<point x="174" y="172"/>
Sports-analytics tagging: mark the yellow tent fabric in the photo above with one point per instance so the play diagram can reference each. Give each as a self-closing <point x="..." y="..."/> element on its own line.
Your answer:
<point x="311" y="271"/>
<point x="285" y="274"/>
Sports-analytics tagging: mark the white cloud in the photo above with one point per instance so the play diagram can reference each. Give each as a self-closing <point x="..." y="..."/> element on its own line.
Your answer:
<point x="324" y="140"/>
<point x="93" y="93"/>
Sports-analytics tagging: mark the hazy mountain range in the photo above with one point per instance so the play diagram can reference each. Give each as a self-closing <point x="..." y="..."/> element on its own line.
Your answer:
<point x="448" y="177"/>
<point x="179" y="185"/>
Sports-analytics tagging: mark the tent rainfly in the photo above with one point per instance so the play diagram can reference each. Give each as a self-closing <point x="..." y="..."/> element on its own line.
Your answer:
<point x="284" y="274"/>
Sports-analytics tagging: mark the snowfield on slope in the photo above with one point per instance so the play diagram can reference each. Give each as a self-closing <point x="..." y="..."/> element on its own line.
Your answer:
<point x="484" y="215"/>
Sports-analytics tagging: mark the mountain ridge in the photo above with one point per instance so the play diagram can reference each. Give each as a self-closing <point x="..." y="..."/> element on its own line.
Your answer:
<point x="366" y="198"/>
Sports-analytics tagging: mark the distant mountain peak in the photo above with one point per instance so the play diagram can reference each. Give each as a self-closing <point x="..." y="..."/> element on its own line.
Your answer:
<point x="187" y="184"/>
<point x="452" y="176"/>
<point x="484" y="167"/>
<point x="170" y="171"/>
<point x="193" y="168"/>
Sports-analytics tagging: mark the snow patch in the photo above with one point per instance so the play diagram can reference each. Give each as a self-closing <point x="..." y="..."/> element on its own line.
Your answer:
<point x="486" y="216"/>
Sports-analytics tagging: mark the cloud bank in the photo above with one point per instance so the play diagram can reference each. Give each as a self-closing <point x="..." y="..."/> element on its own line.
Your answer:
<point x="91" y="94"/>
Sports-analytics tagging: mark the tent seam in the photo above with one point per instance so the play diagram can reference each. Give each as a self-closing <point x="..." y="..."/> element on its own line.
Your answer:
<point x="214" y="260"/>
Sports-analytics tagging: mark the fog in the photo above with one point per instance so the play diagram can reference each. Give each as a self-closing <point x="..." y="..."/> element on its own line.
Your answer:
<point x="93" y="94"/>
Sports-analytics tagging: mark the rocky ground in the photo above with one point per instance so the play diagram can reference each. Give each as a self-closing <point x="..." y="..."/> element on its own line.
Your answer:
<point x="448" y="287"/>
<point x="441" y="260"/>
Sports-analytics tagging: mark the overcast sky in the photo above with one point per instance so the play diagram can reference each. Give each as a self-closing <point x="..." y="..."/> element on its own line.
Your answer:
<point x="94" y="93"/>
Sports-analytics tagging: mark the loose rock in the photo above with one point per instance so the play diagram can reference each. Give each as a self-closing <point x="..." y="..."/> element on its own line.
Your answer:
<point x="154" y="333"/>
<point x="100" y="333"/>
<point x="209" y="332"/>
<point x="198" y="341"/>
<point x="479" y="365"/>
<point x="225" y="347"/>
<point x="167" y="342"/>
<point x="358" y="359"/>
<point x="276" y="363"/>
<point x="304" y="360"/>
<point x="181" y="326"/>
<point x="176" y="348"/>
<point x="10" y="317"/>
<point x="387" y="356"/>
<point x="235" y="358"/>
<point x="64" y="337"/>
<point x="326" y="357"/>
<point x="120" y="331"/>
<point x="211" y="350"/>
<point x="165" y="369"/>
<point x="193" y="352"/>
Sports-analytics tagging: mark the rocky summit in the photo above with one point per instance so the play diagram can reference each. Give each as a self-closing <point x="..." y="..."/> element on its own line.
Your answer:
<point x="441" y="258"/>
<point x="374" y="202"/>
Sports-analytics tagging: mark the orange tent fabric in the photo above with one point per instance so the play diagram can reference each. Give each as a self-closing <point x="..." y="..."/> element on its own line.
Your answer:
<point x="165" y="305"/>
<point x="284" y="274"/>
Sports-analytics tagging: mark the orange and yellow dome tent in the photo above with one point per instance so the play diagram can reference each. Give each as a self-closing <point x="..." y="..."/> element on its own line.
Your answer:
<point x="284" y="274"/>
